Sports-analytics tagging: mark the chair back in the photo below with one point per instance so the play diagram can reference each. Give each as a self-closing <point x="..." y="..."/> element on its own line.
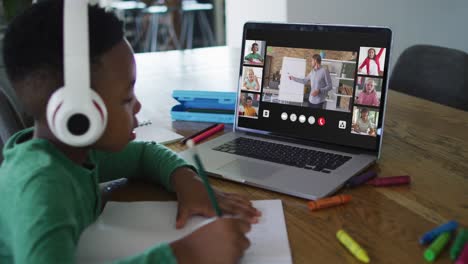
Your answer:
<point x="10" y="120"/>
<point x="434" y="73"/>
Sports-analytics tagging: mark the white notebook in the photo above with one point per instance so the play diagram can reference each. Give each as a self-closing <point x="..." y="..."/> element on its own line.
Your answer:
<point x="126" y="229"/>
<point x="147" y="131"/>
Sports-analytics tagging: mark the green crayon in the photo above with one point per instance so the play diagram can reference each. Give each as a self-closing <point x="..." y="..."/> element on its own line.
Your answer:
<point x="436" y="247"/>
<point x="457" y="246"/>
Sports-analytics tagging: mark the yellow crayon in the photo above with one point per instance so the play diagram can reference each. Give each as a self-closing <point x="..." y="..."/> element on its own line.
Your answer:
<point x="352" y="246"/>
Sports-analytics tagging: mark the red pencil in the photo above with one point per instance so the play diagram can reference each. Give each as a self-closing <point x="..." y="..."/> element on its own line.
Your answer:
<point x="208" y="133"/>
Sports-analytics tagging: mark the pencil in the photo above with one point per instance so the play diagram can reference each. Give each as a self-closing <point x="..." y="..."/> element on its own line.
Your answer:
<point x="183" y="141"/>
<point x="201" y="172"/>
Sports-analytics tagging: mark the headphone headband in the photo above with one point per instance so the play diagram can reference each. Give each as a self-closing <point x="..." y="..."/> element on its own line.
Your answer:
<point x="76" y="114"/>
<point x="76" y="66"/>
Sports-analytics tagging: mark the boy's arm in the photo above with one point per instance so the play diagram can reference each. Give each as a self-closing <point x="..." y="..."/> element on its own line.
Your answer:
<point x="140" y="160"/>
<point x="48" y="223"/>
<point x="45" y="226"/>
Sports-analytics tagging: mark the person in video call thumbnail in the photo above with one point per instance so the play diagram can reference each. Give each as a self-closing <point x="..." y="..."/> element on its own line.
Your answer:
<point x="249" y="110"/>
<point x="363" y="124"/>
<point x="368" y="96"/>
<point x="320" y="83"/>
<point x="254" y="57"/>
<point x="251" y="82"/>
<point x="372" y="63"/>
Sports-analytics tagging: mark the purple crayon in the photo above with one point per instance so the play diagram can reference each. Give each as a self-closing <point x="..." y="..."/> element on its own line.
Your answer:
<point x="360" y="179"/>
<point x="390" y="181"/>
<point x="463" y="258"/>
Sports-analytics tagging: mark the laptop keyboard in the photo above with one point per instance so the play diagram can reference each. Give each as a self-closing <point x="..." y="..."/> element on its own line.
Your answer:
<point x="284" y="154"/>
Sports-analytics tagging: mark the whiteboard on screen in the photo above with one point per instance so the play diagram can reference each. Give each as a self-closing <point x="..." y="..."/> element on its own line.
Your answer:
<point x="290" y="90"/>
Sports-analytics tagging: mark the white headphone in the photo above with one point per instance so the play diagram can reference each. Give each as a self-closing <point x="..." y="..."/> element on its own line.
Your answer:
<point x="76" y="114"/>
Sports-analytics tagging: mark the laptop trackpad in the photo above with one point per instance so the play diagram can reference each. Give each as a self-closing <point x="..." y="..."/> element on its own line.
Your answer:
<point x="247" y="169"/>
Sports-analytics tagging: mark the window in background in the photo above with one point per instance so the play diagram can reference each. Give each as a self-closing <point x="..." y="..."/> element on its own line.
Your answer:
<point x="171" y="24"/>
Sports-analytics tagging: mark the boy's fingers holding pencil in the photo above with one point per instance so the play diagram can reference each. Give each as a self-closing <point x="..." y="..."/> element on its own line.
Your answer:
<point x="222" y="241"/>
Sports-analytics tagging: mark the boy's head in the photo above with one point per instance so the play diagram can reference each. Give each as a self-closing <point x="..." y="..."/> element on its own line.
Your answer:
<point x="254" y="47"/>
<point x="248" y="100"/>
<point x="33" y="54"/>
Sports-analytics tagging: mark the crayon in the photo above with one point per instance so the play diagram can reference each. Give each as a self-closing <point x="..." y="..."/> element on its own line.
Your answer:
<point x="460" y="240"/>
<point x="430" y="235"/>
<point x="390" y="181"/>
<point x="329" y="202"/>
<point x="463" y="258"/>
<point x="352" y="246"/>
<point x="436" y="247"/>
<point x="360" y="179"/>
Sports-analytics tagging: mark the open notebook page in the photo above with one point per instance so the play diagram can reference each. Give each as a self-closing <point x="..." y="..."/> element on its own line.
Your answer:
<point x="126" y="229"/>
<point x="152" y="132"/>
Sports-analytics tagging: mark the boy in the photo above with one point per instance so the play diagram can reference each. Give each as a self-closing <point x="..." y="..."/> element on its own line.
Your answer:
<point x="50" y="190"/>
<point x="248" y="108"/>
<point x="254" y="57"/>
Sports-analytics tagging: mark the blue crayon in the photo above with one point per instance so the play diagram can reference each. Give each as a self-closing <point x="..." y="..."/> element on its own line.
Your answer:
<point x="431" y="235"/>
<point x="360" y="179"/>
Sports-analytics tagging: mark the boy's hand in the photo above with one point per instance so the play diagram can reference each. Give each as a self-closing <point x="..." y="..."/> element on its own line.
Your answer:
<point x="221" y="241"/>
<point x="194" y="200"/>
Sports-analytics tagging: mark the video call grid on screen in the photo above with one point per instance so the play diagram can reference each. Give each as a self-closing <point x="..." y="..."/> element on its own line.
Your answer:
<point x="351" y="114"/>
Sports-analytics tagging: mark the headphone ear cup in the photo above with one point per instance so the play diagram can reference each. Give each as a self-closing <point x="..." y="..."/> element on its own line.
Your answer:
<point x="100" y="107"/>
<point x="77" y="123"/>
<point x="53" y="106"/>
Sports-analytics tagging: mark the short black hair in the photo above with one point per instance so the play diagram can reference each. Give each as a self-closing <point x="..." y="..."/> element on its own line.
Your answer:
<point x="249" y="98"/>
<point x="33" y="47"/>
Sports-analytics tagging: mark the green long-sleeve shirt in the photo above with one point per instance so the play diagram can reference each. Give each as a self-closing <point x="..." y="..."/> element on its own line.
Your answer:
<point x="47" y="200"/>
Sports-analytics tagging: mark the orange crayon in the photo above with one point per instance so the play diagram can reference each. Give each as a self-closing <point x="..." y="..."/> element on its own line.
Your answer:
<point x="329" y="202"/>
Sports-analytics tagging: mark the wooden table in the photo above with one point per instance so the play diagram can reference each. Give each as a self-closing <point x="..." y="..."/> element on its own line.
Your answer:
<point x="422" y="139"/>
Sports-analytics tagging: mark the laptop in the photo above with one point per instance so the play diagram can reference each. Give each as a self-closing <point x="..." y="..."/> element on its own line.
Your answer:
<point x="319" y="124"/>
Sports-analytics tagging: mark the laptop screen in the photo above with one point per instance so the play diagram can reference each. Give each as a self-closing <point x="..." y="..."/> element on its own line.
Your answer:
<point x="314" y="82"/>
